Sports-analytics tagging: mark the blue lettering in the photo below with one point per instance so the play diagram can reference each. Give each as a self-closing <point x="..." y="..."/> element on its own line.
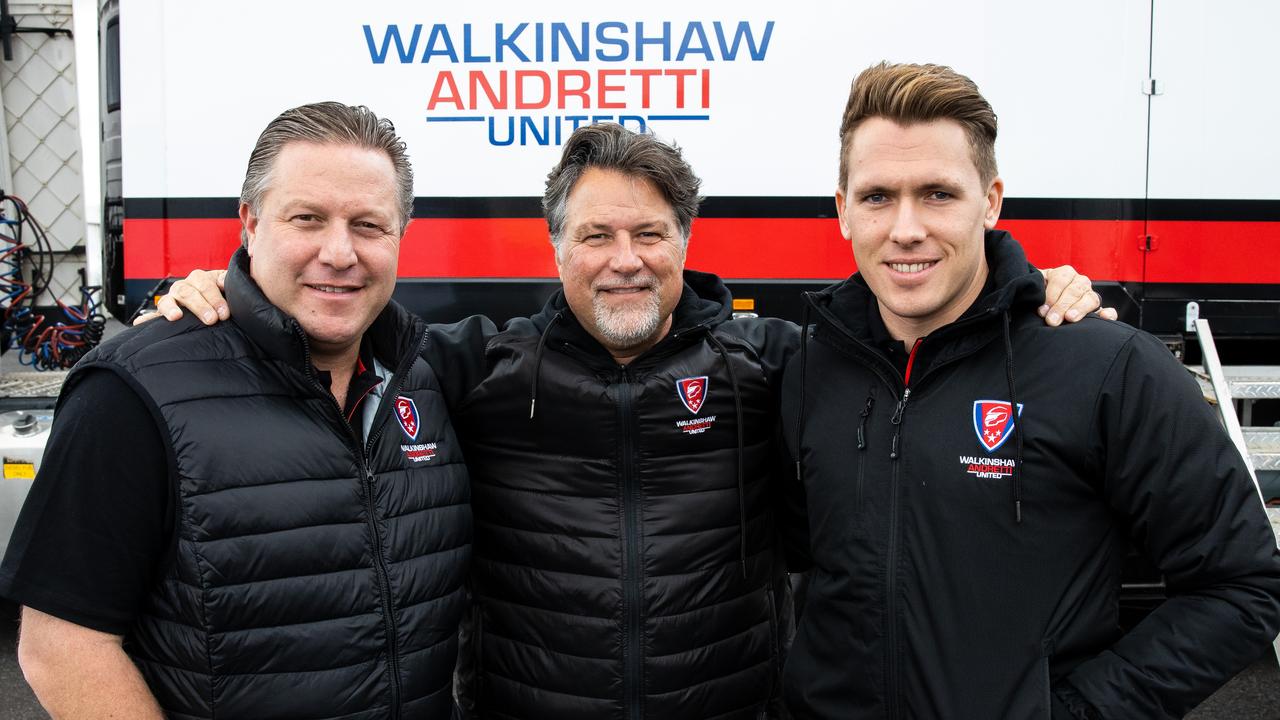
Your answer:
<point x="439" y="31"/>
<point x="560" y="31"/>
<point x="466" y="47"/>
<point x="664" y="40"/>
<point x="526" y="123"/>
<point x="511" y="131"/>
<point x="640" y="126"/>
<point x="731" y="52"/>
<point x="604" y="40"/>
<point x="695" y="28"/>
<point x="379" y="56"/>
<point x="501" y="41"/>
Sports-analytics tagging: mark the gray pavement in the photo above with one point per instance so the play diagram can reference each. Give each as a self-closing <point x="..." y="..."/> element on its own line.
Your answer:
<point x="1252" y="695"/>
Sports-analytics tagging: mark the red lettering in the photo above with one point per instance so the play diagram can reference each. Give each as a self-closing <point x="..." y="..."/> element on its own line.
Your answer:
<point x="644" y="76"/>
<point x="680" y="75"/>
<point x="480" y="82"/>
<point x="604" y="87"/>
<point x="442" y="80"/>
<point x="580" y="92"/>
<point x="545" y="82"/>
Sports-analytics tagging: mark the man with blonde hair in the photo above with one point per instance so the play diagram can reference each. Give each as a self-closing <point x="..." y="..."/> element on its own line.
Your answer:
<point x="969" y="510"/>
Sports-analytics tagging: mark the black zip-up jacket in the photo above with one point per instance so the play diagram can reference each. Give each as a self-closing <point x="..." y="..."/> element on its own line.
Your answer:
<point x="967" y="567"/>
<point x="626" y="562"/>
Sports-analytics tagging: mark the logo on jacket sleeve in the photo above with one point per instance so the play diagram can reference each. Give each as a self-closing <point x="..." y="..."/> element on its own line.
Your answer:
<point x="407" y="414"/>
<point x="692" y="392"/>
<point x="993" y="421"/>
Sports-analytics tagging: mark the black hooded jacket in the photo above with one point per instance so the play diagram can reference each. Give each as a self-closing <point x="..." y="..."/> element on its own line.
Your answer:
<point x="967" y="558"/>
<point x="626" y="563"/>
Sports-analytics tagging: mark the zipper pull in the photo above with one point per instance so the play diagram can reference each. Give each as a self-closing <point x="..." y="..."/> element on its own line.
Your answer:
<point x="902" y="405"/>
<point x="862" y="424"/>
<point x="897" y="422"/>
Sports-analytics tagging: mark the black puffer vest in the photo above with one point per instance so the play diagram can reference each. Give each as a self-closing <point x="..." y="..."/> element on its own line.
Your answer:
<point x="626" y="564"/>
<point x="314" y="575"/>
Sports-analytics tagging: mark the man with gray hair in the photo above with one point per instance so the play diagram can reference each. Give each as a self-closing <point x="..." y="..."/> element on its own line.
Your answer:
<point x="621" y="444"/>
<point x="229" y="520"/>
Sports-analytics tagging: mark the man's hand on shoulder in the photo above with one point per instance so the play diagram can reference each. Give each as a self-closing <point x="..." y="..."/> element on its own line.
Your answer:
<point x="1070" y="296"/>
<point x="200" y="293"/>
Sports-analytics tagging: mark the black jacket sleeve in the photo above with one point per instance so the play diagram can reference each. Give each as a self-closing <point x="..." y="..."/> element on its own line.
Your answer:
<point x="1171" y="472"/>
<point x="456" y="353"/>
<point x="776" y="342"/>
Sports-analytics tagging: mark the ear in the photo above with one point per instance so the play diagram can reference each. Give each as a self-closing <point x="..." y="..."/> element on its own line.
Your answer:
<point x="249" y="222"/>
<point x="995" y="198"/>
<point x="840" y="212"/>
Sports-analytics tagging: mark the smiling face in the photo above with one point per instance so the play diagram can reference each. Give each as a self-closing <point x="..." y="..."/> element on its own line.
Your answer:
<point x="915" y="208"/>
<point x="620" y="258"/>
<point x="324" y="243"/>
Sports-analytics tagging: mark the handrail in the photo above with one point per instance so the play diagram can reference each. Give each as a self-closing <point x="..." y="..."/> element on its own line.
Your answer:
<point x="1227" y="410"/>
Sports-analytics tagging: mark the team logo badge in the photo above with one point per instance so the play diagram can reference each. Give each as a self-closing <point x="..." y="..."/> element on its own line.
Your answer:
<point x="407" y="414"/>
<point x="993" y="421"/>
<point x="692" y="392"/>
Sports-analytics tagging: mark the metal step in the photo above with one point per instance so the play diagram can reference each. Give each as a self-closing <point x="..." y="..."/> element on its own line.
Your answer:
<point x="1247" y="382"/>
<point x="32" y="384"/>
<point x="1264" y="446"/>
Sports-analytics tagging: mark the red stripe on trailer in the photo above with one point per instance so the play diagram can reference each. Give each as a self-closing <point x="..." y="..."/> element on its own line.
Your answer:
<point x="757" y="248"/>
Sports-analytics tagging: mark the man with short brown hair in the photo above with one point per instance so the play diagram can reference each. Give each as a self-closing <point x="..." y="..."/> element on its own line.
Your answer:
<point x="228" y="522"/>
<point x="969" y="508"/>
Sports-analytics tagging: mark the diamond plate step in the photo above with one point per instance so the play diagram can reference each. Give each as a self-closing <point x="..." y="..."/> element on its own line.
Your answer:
<point x="32" y="384"/>
<point x="1247" y="382"/>
<point x="1264" y="447"/>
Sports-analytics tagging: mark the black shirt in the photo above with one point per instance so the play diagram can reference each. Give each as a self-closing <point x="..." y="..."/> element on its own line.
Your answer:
<point x="97" y="527"/>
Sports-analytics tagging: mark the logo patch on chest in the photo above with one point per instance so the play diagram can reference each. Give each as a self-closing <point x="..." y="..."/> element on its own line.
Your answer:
<point x="692" y="392"/>
<point x="993" y="421"/>
<point x="422" y="452"/>
<point x="696" y="426"/>
<point x="407" y="414"/>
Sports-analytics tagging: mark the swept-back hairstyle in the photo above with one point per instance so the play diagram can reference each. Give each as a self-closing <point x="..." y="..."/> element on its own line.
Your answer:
<point x="327" y="123"/>
<point x="610" y="146"/>
<point x="908" y="94"/>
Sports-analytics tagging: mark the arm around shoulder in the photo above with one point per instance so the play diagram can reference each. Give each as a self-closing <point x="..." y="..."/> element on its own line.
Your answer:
<point x="77" y="672"/>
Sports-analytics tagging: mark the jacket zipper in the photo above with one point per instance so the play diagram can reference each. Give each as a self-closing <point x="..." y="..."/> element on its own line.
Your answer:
<point x="862" y="445"/>
<point x="632" y="672"/>
<point x="380" y="566"/>
<point x="891" y="590"/>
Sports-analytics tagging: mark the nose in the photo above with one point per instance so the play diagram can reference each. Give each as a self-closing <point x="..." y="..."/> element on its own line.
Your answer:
<point x="337" y="247"/>
<point x="907" y="226"/>
<point x="624" y="258"/>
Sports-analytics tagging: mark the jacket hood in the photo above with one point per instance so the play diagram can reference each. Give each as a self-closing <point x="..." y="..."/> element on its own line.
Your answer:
<point x="1017" y="284"/>
<point x="704" y="303"/>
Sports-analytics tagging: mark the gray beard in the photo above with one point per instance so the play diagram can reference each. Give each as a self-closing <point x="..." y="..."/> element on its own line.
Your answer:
<point x="626" y="328"/>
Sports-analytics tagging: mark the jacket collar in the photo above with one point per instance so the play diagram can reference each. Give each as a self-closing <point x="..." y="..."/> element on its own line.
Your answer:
<point x="1017" y="285"/>
<point x="281" y="337"/>
<point x="704" y="303"/>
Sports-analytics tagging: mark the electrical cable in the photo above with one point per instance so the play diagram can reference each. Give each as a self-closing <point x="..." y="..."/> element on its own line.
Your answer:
<point x="43" y="341"/>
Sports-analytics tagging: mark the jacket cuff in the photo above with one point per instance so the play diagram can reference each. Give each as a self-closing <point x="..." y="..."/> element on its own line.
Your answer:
<point x="1068" y="704"/>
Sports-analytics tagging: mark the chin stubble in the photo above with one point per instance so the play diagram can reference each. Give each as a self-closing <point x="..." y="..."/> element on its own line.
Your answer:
<point x="628" y="326"/>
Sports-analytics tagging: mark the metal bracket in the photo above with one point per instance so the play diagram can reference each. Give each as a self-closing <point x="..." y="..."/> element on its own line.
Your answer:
<point x="1152" y="86"/>
<point x="1193" y="314"/>
<point x="1148" y="243"/>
